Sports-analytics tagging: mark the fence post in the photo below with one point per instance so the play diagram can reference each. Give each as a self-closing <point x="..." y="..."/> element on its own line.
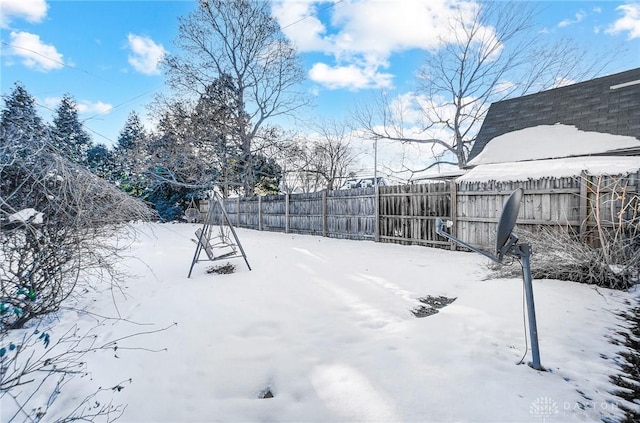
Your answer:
<point x="238" y="212"/>
<point x="286" y="213"/>
<point x="376" y="223"/>
<point x="324" y="213"/>
<point x="260" y="213"/>
<point x="584" y="203"/>
<point x="454" y="212"/>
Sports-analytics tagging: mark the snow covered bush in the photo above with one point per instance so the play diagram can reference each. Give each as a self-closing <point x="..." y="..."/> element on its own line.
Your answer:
<point x="66" y="239"/>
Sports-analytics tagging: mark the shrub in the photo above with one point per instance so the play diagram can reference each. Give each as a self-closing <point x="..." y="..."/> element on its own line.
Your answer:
<point x="57" y="224"/>
<point x="558" y="254"/>
<point x="606" y="253"/>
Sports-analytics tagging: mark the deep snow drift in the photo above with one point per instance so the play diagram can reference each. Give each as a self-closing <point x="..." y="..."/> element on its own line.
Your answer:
<point x="326" y="327"/>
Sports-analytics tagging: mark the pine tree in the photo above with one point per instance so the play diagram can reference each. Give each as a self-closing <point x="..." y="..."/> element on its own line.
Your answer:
<point x="23" y="137"/>
<point x="133" y="133"/>
<point x="68" y="134"/>
<point x="130" y="158"/>
<point x="176" y="162"/>
<point x="19" y="121"/>
<point x="100" y="161"/>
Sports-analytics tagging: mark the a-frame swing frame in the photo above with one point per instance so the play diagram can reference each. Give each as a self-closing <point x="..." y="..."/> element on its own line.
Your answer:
<point x="205" y="234"/>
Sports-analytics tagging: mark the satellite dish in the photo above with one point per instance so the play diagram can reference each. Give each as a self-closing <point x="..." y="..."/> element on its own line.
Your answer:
<point x="508" y="221"/>
<point x="507" y="244"/>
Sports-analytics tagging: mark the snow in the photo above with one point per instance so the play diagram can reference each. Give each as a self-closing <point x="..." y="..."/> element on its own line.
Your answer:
<point x="555" y="168"/>
<point x="325" y="325"/>
<point x="549" y="142"/>
<point x="27" y="216"/>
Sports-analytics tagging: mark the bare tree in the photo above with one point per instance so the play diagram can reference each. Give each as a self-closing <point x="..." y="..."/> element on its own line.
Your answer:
<point x="293" y="156"/>
<point x="332" y="155"/>
<point x="242" y="40"/>
<point x="321" y="161"/>
<point x="488" y="53"/>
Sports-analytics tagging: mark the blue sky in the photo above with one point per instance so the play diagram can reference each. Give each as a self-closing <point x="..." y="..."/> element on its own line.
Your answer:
<point x="105" y="53"/>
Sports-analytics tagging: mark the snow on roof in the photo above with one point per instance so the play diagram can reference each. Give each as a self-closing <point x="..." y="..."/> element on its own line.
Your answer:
<point x="556" y="168"/>
<point x="550" y="142"/>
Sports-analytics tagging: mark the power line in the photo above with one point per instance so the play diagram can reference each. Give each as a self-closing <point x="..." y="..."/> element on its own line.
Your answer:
<point x="81" y="123"/>
<point x="54" y="60"/>
<point x="312" y="14"/>
<point x="117" y="106"/>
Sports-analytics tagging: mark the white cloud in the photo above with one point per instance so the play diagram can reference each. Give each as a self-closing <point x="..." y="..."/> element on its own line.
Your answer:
<point x="98" y="107"/>
<point x="51" y="102"/>
<point x="578" y="18"/>
<point x="629" y="22"/>
<point x="84" y="107"/>
<point x="410" y="108"/>
<point x="145" y="55"/>
<point x="361" y="35"/>
<point x="562" y="82"/>
<point x="503" y="87"/>
<point x="302" y="27"/>
<point x="30" y="10"/>
<point x="34" y="53"/>
<point x="350" y="77"/>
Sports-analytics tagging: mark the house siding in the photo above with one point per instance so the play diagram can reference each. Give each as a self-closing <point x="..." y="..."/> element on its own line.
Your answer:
<point x="589" y="106"/>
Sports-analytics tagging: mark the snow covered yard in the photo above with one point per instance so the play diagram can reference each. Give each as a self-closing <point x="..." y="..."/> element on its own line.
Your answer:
<point x="325" y="326"/>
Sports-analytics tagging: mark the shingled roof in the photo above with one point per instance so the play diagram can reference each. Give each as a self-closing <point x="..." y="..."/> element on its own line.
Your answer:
<point x="610" y="104"/>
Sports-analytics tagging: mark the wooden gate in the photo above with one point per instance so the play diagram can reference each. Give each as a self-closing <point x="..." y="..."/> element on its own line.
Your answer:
<point x="407" y="213"/>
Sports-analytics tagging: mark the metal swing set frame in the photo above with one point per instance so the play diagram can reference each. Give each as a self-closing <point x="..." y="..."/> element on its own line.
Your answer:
<point x="225" y="239"/>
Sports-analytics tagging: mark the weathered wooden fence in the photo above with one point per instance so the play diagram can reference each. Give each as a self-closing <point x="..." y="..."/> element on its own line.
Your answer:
<point x="582" y="205"/>
<point x="347" y="214"/>
<point x="547" y="201"/>
<point x="406" y="214"/>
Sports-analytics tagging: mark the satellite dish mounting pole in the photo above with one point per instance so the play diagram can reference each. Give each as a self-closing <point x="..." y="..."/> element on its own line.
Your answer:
<point x="523" y="251"/>
<point x="507" y="245"/>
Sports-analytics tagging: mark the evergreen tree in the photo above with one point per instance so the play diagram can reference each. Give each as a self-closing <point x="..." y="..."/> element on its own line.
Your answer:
<point x="100" y="161"/>
<point x="267" y="174"/>
<point x="19" y="121"/>
<point x="23" y="138"/>
<point x="68" y="134"/>
<point x="177" y="164"/>
<point x="130" y="158"/>
<point x="132" y="135"/>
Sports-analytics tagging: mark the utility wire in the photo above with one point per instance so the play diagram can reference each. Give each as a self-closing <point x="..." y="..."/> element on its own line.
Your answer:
<point x="312" y="14"/>
<point x="81" y="123"/>
<point x="54" y="60"/>
<point x="117" y="106"/>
